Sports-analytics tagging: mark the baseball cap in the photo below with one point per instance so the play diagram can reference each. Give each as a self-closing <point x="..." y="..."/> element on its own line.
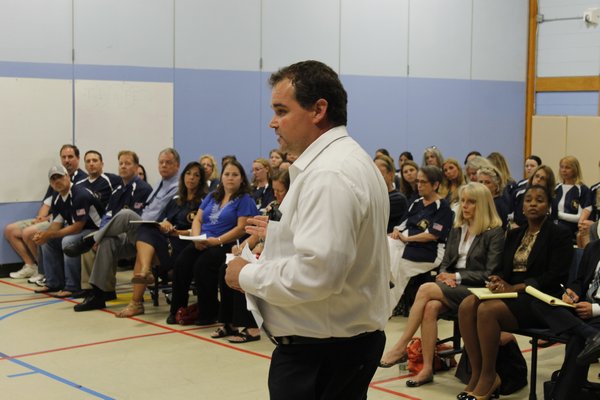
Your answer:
<point x="57" y="170"/>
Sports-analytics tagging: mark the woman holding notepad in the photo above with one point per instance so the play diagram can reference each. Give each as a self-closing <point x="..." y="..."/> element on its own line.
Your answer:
<point x="536" y="254"/>
<point x="222" y="218"/>
<point x="473" y="250"/>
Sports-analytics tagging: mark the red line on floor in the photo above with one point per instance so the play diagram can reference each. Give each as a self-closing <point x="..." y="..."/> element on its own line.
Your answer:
<point x="85" y="345"/>
<point x="396" y="378"/>
<point x="372" y="386"/>
<point x="170" y="330"/>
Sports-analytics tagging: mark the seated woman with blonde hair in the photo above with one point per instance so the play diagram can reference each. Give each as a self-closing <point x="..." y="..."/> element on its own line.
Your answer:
<point x="473" y="251"/>
<point x="454" y="180"/>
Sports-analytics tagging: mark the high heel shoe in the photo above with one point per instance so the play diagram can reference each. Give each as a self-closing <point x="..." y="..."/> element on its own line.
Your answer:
<point x="463" y="395"/>
<point x="402" y="359"/>
<point x="493" y="393"/>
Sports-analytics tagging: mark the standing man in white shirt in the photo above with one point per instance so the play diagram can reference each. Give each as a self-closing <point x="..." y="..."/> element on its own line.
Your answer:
<point x="322" y="282"/>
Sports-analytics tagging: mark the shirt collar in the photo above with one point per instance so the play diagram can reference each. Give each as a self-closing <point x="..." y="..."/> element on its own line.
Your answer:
<point x="315" y="149"/>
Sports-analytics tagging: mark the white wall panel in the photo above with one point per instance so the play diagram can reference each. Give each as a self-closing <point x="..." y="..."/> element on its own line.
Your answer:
<point x="300" y="30"/>
<point x="112" y="116"/>
<point x="567" y="47"/>
<point x="374" y="38"/>
<point x="36" y="31"/>
<point x="37" y="119"/>
<point x="440" y="39"/>
<point x="500" y="30"/>
<point x="124" y="32"/>
<point x="214" y="34"/>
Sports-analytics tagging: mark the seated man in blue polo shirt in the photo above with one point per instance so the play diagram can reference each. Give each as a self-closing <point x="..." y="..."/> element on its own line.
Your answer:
<point x="101" y="184"/>
<point x="75" y="212"/>
<point x="130" y="193"/>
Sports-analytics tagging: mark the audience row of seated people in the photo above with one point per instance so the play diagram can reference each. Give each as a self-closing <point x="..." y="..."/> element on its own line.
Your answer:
<point x="574" y="204"/>
<point x="538" y="252"/>
<point x="424" y="202"/>
<point x="139" y="222"/>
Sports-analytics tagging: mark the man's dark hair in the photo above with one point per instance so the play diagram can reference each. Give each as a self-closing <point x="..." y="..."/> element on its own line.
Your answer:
<point x="93" y="152"/>
<point x="70" y="146"/>
<point x="313" y="80"/>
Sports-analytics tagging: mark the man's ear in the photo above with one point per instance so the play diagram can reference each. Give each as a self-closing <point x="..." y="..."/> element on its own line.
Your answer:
<point x="320" y="110"/>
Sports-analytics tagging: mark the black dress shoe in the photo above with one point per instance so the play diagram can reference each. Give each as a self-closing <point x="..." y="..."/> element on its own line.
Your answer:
<point x="591" y="351"/>
<point x="108" y="296"/>
<point x="77" y="248"/>
<point x="171" y="320"/>
<point x="92" y="302"/>
<point x="82" y="294"/>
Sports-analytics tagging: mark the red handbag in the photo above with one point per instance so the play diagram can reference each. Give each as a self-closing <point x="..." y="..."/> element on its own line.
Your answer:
<point x="415" y="357"/>
<point x="187" y="315"/>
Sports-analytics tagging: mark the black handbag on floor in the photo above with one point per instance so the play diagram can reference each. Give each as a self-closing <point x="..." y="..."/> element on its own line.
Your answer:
<point x="510" y="365"/>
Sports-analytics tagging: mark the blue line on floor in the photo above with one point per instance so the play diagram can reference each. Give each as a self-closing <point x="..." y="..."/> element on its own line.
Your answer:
<point x="57" y="378"/>
<point x="22" y="308"/>
<point x="23" y="374"/>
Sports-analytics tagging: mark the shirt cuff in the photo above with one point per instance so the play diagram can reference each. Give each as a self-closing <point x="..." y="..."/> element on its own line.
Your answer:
<point x="458" y="278"/>
<point x="595" y="309"/>
<point x="246" y="277"/>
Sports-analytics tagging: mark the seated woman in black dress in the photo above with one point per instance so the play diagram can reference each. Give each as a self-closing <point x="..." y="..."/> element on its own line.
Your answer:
<point x="398" y="204"/>
<point x="473" y="251"/>
<point x="536" y="254"/>
<point x="417" y="244"/>
<point x="162" y="242"/>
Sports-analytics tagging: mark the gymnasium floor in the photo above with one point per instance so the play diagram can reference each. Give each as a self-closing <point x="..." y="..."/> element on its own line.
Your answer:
<point x="49" y="351"/>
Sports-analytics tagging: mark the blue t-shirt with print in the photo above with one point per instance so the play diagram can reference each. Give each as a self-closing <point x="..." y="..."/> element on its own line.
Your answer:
<point x="217" y="221"/>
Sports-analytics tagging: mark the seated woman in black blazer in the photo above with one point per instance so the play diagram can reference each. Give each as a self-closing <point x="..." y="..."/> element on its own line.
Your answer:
<point x="537" y="254"/>
<point x="473" y="251"/>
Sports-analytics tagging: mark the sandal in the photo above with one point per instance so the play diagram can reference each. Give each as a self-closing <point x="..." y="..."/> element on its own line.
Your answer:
<point x="132" y="309"/>
<point x="146" y="278"/>
<point x="243" y="337"/>
<point x="63" y="294"/>
<point x="224" y="331"/>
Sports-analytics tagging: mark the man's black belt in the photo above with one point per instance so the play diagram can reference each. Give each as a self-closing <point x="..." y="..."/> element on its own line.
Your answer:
<point x="298" y="340"/>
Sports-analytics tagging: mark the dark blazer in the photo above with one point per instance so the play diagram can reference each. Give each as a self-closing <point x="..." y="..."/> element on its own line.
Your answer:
<point x="484" y="256"/>
<point x="550" y="259"/>
<point x="587" y="268"/>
